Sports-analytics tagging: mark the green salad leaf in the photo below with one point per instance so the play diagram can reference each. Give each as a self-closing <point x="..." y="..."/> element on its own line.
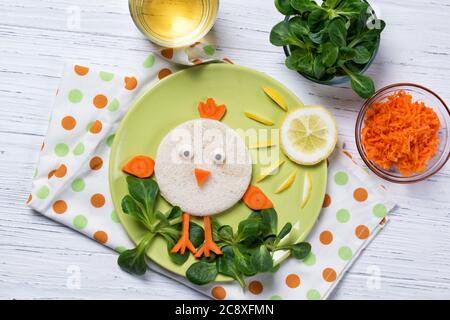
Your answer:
<point x="304" y="5"/>
<point x="284" y="7"/>
<point x="133" y="260"/>
<point x="283" y="35"/>
<point x="201" y="273"/>
<point x="261" y="259"/>
<point x="338" y="32"/>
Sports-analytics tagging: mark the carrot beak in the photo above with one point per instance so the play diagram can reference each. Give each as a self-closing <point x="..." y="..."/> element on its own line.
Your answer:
<point x="201" y="176"/>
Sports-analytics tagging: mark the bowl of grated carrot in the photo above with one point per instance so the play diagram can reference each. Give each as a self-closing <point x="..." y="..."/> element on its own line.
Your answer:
<point x="403" y="133"/>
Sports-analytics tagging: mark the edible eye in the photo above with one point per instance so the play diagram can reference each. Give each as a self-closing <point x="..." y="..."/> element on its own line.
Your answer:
<point x="219" y="156"/>
<point x="185" y="151"/>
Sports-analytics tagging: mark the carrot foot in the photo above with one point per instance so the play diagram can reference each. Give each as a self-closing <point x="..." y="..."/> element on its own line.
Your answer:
<point x="184" y="241"/>
<point x="207" y="248"/>
<point x="182" y="244"/>
<point x="209" y="244"/>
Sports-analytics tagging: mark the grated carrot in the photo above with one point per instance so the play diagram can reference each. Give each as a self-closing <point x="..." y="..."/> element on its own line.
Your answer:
<point x="401" y="133"/>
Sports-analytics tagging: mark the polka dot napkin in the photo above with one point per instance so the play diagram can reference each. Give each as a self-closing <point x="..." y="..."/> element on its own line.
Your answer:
<point x="71" y="181"/>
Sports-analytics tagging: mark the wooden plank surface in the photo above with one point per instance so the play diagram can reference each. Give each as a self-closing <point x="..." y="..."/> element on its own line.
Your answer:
<point x="410" y="259"/>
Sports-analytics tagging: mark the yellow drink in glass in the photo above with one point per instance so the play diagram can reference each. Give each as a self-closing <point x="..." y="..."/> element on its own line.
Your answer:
<point x="174" y="23"/>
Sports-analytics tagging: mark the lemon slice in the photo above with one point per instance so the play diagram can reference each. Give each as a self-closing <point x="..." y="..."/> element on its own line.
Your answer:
<point x="287" y="183"/>
<point x="307" y="190"/>
<point x="308" y="135"/>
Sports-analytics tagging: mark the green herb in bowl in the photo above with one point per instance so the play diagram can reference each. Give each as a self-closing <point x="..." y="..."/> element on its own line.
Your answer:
<point x="338" y="38"/>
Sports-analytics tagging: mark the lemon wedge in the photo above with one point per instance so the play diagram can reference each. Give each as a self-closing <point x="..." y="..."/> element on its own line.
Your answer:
<point x="276" y="97"/>
<point x="261" y="144"/>
<point x="307" y="190"/>
<point x="308" y="135"/>
<point x="287" y="183"/>
<point x="265" y="172"/>
<point x="258" y="118"/>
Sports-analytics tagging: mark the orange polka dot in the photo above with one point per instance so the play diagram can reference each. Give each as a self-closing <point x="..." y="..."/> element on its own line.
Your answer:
<point x="360" y="194"/>
<point x="218" y="293"/>
<point x="383" y="222"/>
<point x="51" y="174"/>
<point x="98" y="200"/>
<point x="96" y="163"/>
<point x="101" y="236"/>
<point x="60" y="206"/>
<point x="255" y="287"/>
<point x="96" y="127"/>
<point x="68" y="123"/>
<point x="30" y="197"/>
<point x="362" y="232"/>
<point x="80" y="70"/>
<point x="197" y="61"/>
<point x="326" y="201"/>
<point x="292" y="281"/>
<point x="326" y="237"/>
<point x="42" y="146"/>
<point x="329" y="275"/>
<point x="130" y="83"/>
<point x="167" y="53"/>
<point x="61" y="171"/>
<point x="164" y="73"/>
<point x="100" y="101"/>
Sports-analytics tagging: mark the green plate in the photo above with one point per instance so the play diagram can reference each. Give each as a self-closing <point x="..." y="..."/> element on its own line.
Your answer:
<point x="173" y="101"/>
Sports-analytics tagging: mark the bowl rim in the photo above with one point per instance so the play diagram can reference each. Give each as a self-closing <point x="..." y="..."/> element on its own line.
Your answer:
<point x="359" y="123"/>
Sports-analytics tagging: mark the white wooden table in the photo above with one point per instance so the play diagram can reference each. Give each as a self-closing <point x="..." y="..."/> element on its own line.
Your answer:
<point x="411" y="257"/>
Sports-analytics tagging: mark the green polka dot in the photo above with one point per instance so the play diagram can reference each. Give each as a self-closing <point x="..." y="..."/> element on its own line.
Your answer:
<point x="79" y="149"/>
<point x="110" y="140"/>
<point x="313" y="294"/>
<point x="115" y="217"/>
<point x="114" y="105"/>
<point x="43" y="192"/>
<point x="276" y="297"/>
<point x="80" y="222"/>
<point x="150" y="61"/>
<point x="78" y="185"/>
<point x="209" y="50"/>
<point x="379" y="210"/>
<point x="341" y="178"/>
<point x="343" y="215"/>
<point x="310" y="260"/>
<point x="106" y="76"/>
<point x="120" y="249"/>
<point x="345" y="253"/>
<point x="61" y="149"/>
<point x="75" y="96"/>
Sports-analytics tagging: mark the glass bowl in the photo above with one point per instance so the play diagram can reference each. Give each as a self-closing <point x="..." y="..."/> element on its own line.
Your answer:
<point x="344" y="78"/>
<point x="432" y="100"/>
